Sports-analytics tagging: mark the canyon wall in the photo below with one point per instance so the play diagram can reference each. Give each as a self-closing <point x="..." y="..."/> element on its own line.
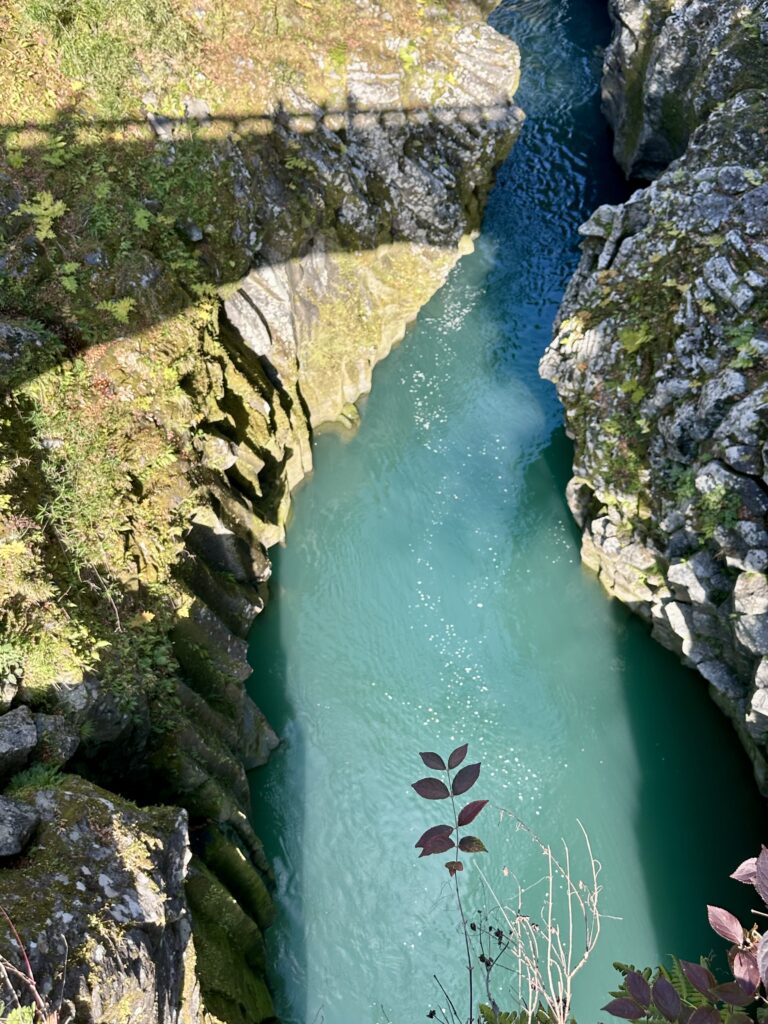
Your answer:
<point x="660" y="355"/>
<point x="192" y="282"/>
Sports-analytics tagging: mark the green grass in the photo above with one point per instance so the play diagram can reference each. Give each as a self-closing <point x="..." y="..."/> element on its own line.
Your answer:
<point x="103" y="44"/>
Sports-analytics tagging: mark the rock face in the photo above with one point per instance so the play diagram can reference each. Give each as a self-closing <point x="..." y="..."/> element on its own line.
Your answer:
<point x="661" y="352"/>
<point x="670" y="64"/>
<point x="228" y="279"/>
<point x="101" y="896"/>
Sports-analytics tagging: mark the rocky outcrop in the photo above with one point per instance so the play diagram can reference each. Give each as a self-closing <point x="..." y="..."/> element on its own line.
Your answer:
<point x="100" y="894"/>
<point x="661" y="354"/>
<point x="670" y="64"/>
<point x="246" y="264"/>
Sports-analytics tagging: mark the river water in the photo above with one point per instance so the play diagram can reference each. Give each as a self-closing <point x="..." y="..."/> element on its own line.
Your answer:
<point x="431" y="593"/>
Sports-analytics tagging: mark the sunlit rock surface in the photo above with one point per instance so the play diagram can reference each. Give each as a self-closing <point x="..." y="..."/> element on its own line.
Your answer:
<point x="661" y="350"/>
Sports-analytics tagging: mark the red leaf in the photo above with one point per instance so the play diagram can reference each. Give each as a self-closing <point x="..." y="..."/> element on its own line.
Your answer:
<point x="436" y="830"/>
<point x="739" y="1018"/>
<point x="431" y="789"/>
<point x="698" y="976"/>
<point x="762" y="958"/>
<point x="761" y="875"/>
<point x="638" y="988"/>
<point x="725" y="924"/>
<point x="745" y="969"/>
<point x="454" y="866"/>
<point x="666" y="999"/>
<point x="627" y="1009"/>
<point x="437" y="844"/>
<point x="465" y="779"/>
<point x="705" y="1015"/>
<point x="471" y="811"/>
<point x="471" y="844"/>
<point x="733" y="994"/>
<point x="458" y="756"/>
<point x="746" y="871"/>
<point x="433" y="761"/>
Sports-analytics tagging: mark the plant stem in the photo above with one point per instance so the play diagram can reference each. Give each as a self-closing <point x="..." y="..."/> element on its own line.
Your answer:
<point x="461" y="908"/>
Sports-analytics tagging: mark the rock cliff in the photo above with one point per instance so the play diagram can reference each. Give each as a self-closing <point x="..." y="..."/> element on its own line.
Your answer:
<point x="213" y="222"/>
<point x="661" y="349"/>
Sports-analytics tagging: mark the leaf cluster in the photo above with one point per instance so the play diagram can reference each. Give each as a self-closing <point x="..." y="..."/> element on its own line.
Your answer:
<point x="442" y="838"/>
<point x="690" y="993"/>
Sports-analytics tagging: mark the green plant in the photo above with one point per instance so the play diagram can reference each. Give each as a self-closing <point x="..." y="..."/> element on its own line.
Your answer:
<point x="37" y="776"/>
<point x="633" y="338"/>
<point x="689" y="993"/>
<point x="718" y="507"/>
<point x="44" y="210"/>
<point x="18" y="1015"/>
<point x="338" y="56"/>
<point x="537" y="947"/>
<point x="105" y="44"/>
<point x="409" y="57"/>
<point x="119" y="309"/>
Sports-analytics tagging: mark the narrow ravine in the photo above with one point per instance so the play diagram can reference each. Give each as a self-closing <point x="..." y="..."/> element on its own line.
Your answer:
<point x="431" y="592"/>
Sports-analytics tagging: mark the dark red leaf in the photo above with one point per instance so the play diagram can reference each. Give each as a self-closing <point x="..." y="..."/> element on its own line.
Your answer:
<point x="685" y="1014"/>
<point x="471" y="844"/>
<point x="433" y="761"/>
<point x="705" y="1015"/>
<point x="638" y="988"/>
<point x="698" y="976"/>
<point x="738" y="1018"/>
<point x="746" y="871"/>
<point x="471" y="811"/>
<point x="762" y="958"/>
<point x="431" y="789"/>
<point x="733" y="994"/>
<point x="458" y="756"/>
<point x="454" y="866"/>
<point x="745" y="969"/>
<point x="437" y="844"/>
<point x="725" y="924"/>
<point x="465" y="779"/>
<point x="436" y="830"/>
<point x="666" y="999"/>
<point x="761" y="875"/>
<point x="627" y="1009"/>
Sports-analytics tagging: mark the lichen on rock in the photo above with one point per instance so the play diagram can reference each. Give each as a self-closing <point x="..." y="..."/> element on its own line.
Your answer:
<point x="190" y="285"/>
<point x="660" y="354"/>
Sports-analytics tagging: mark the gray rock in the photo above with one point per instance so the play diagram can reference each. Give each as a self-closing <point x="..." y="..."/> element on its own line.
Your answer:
<point x="666" y="307"/>
<point x="18" y="738"/>
<point x="57" y="739"/>
<point x="750" y="602"/>
<point x="189" y="230"/>
<point x="17" y="823"/>
<point x="9" y="687"/>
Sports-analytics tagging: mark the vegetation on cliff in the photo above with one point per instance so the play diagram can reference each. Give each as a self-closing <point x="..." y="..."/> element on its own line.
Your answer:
<point x="152" y="155"/>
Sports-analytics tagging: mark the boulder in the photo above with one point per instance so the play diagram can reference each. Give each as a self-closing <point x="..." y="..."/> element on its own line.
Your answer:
<point x="18" y="738"/>
<point x="17" y="823"/>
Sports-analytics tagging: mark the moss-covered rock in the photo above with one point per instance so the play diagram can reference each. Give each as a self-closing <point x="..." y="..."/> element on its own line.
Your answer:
<point x="213" y="224"/>
<point x="670" y="64"/>
<point x="661" y="360"/>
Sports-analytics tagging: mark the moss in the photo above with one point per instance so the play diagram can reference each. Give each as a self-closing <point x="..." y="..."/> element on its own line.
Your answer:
<point x="239" y="876"/>
<point x="230" y="952"/>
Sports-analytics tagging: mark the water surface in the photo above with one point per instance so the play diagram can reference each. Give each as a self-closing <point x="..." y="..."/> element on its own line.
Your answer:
<point x="431" y="593"/>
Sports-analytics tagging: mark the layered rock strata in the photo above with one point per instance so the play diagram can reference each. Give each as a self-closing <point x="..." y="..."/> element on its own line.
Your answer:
<point x="153" y="437"/>
<point x="660" y="355"/>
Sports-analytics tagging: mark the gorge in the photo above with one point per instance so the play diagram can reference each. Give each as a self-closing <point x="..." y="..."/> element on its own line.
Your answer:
<point x="211" y="233"/>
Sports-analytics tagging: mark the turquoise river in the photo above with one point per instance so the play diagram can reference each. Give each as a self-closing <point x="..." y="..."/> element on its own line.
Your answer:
<point x="431" y="593"/>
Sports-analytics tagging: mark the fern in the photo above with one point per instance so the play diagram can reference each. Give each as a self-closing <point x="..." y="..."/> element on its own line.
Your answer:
<point x="491" y="1016"/>
<point x="44" y="210"/>
<point x="682" y="986"/>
